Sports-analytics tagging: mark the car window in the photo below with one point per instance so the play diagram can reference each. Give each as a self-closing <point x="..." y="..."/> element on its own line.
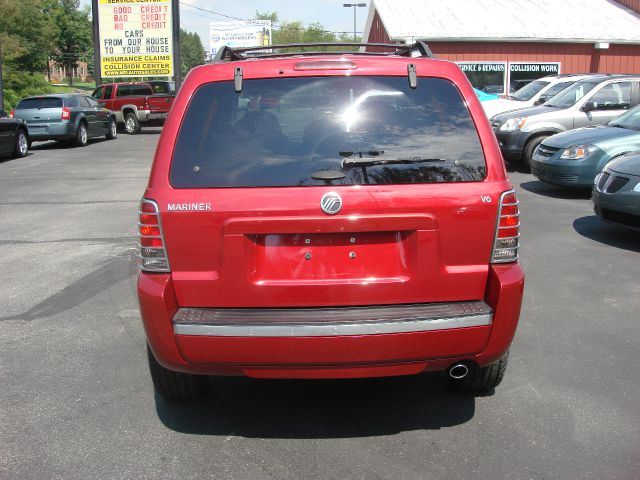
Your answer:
<point x="163" y="88"/>
<point x="630" y="119"/>
<point x="614" y="96"/>
<point x="141" y="90"/>
<point x="91" y="102"/>
<point x="300" y="131"/>
<point x="83" y="102"/>
<point x="123" y="90"/>
<point x="570" y="96"/>
<point x="39" y="102"/>
<point x="97" y="93"/>
<point x="108" y="90"/>
<point x="528" y="91"/>
<point x="71" y="102"/>
<point x="557" y="88"/>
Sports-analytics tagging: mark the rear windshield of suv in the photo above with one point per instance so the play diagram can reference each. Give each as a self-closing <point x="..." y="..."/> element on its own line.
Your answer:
<point x="328" y="130"/>
<point x="43" y="102"/>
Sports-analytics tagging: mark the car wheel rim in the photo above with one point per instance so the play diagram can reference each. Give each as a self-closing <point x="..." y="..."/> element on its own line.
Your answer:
<point x="130" y="125"/>
<point x="22" y="144"/>
<point x="113" y="129"/>
<point x="83" y="134"/>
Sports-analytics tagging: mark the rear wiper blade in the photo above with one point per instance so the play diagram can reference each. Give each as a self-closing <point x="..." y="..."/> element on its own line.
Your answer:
<point x="366" y="162"/>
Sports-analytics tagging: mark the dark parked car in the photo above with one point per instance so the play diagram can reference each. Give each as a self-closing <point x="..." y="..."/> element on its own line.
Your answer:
<point x="616" y="192"/>
<point x="574" y="158"/>
<point x="14" y="138"/>
<point x="70" y="116"/>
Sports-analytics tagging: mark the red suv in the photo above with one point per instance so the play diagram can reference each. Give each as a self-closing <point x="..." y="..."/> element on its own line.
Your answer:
<point x="328" y="215"/>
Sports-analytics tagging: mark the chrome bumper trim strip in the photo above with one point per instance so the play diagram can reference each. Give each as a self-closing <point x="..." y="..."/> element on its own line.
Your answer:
<point x="287" y="327"/>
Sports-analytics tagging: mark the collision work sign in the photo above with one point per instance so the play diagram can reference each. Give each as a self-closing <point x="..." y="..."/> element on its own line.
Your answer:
<point x="135" y="38"/>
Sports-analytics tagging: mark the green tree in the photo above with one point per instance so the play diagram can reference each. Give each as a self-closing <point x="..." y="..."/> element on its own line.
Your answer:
<point x="26" y="36"/>
<point x="73" y="39"/>
<point x="191" y="51"/>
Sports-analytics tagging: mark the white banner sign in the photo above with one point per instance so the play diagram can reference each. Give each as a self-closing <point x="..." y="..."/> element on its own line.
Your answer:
<point x="239" y="34"/>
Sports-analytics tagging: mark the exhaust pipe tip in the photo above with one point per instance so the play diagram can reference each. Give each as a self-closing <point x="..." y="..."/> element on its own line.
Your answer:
<point x="458" y="371"/>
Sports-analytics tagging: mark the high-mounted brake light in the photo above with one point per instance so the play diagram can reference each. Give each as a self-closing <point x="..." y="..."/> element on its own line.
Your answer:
<point x="153" y="254"/>
<point x="66" y="113"/>
<point x="324" y="65"/>
<point x="507" y="239"/>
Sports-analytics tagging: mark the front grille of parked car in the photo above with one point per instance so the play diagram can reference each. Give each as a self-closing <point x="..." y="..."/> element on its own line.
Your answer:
<point x="621" y="217"/>
<point x="564" y="178"/>
<point x="554" y="177"/>
<point x="603" y="180"/>
<point x="537" y="172"/>
<point x="546" y="151"/>
<point x="616" y="184"/>
<point x="611" y="183"/>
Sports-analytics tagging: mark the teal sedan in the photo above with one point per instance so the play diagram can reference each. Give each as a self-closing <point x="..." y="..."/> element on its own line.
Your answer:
<point x="574" y="158"/>
<point x="616" y="192"/>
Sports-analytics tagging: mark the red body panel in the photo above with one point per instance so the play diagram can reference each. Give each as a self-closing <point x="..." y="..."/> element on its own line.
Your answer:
<point x="160" y="104"/>
<point x="274" y="248"/>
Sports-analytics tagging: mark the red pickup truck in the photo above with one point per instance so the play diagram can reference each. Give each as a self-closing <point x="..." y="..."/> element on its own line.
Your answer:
<point x="134" y="104"/>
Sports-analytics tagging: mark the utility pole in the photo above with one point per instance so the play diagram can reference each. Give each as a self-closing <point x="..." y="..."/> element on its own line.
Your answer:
<point x="177" y="63"/>
<point x="1" y="82"/>
<point x="354" y="5"/>
<point x="97" y="66"/>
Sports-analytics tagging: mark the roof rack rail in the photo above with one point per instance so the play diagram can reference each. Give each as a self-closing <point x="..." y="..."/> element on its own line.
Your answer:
<point x="228" y="54"/>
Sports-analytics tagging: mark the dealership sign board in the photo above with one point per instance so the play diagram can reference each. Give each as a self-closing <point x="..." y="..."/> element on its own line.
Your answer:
<point x="135" y="38"/>
<point x="239" y="34"/>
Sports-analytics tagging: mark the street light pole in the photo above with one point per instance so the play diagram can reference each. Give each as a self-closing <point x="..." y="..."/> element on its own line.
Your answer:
<point x="354" y="5"/>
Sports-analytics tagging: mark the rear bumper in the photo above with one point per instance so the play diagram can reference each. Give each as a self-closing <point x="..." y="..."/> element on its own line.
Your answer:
<point x="149" y="117"/>
<point x="351" y="350"/>
<point x="51" y="131"/>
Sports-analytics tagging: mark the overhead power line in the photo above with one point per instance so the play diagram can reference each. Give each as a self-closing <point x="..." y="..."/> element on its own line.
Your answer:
<point x="274" y="25"/>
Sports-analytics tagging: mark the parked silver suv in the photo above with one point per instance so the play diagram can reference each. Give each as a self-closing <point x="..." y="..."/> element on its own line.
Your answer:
<point x="592" y="101"/>
<point x="532" y="94"/>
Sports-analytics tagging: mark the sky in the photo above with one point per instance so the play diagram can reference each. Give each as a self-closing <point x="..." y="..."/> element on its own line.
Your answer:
<point x="330" y="13"/>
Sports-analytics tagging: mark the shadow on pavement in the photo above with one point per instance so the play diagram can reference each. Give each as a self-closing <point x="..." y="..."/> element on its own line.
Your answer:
<point x="64" y="145"/>
<point x="552" y="191"/>
<point x="516" y="167"/>
<point x="595" y="229"/>
<point x="319" y="408"/>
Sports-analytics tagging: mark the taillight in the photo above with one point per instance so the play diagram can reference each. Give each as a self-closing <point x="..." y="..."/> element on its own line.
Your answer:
<point x="12" y="113"/>
<point x="506" y="243"/>
<point x="66" y="113"/>
<point x="153" y="254"/>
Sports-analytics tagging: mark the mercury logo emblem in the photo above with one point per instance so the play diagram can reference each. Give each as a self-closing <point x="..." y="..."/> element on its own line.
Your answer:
<point x="331" y="203"/>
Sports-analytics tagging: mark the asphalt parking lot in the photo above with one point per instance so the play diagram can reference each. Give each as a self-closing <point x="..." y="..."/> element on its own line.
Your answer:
<point x="76" y="399"/>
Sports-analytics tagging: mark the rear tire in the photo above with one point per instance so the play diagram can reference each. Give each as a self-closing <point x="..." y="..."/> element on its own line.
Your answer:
<point x="82" y="136"/>
<point x="22" y="145"/>
<point x="113" y="130"/>
<point x="131" y="124"/>
<point x="529" y="148"/>
<point x="174" y="385"/>
<point x="482" y="380"/>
